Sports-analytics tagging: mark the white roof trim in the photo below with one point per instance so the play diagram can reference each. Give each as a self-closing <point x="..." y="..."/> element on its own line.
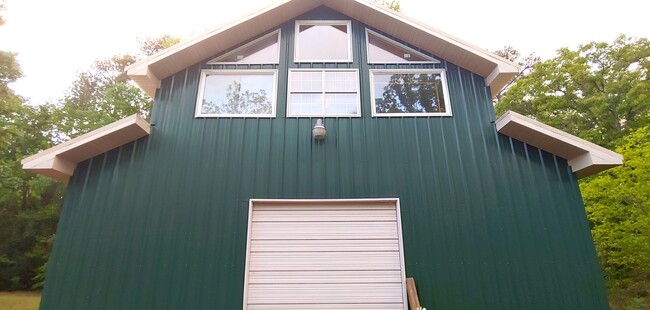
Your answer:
<point x="60" y="161"/>
<point x="584" y="157"/>
<point x="148" y="73"/>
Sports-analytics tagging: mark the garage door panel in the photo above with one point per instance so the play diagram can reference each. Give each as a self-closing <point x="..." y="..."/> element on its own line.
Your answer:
<point x="325" y="261"/>
<point x="324" y="293"/>
<point x="329" y="306"/>
<point x="316" y="277"/>
<point x="370" y="206"/>
<point x="341" y="245"/>
<point x="324" y="216"/>
<point x="323" y="230"/>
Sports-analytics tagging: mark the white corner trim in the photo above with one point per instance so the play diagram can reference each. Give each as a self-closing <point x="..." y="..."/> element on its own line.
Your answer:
<point x="584" y="157"/>
<point x="60" y="161"/>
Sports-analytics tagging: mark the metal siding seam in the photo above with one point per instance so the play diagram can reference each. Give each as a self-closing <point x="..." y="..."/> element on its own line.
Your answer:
<point x="524" y="229"/>
<point x="488" y="201"/>
<point x="521" y="291"/>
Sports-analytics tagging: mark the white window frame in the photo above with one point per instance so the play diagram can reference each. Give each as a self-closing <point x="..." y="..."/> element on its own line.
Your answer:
<point x="206" y="72"/>
<point x="216" y="61"/>
<point x="358" y="92"/>
<point x="396" y="201"/>
<point x="296" y="44"/>
<point x="369" y="32"/>
<point x="445" y="91"/>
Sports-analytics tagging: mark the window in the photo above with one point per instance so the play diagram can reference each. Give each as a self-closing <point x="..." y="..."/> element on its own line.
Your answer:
<point x="409" y="93"/>
<point x="237" y="93"/>
<point x="384" y="50"/>
<point x="324" y="93"/>
<point x="323" y="41"/>
<point x="264" y="50"/>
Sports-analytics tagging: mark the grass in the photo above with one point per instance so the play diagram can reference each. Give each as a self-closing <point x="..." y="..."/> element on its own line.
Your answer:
<point x="19" y="300"/>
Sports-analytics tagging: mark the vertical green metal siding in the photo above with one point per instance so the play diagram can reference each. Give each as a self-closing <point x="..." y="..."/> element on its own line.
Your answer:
<point x="160" y="223"/>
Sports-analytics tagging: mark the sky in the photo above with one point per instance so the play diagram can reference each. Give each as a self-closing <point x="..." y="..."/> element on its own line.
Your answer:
<point x="56" y="39"/>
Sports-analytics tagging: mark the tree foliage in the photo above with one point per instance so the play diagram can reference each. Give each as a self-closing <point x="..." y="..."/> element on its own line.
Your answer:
<point x="99" y="96"/>
<point x="599" y="92"/>
<point x="29" y="203"/>
<point x="525" y="64"/>
<point x="618" y="207"/>
<point x="150" y="46"/>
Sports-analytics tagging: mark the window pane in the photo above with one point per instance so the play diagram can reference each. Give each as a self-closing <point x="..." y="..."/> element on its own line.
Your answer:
<point x="238" y="94"/>
<point x="322" y="43"/>
<point x="340" y="81"/>
<point x="306" y="104"/>
<point x="408" y="93"/>
<point x="341" y="104"/>
<point x="383" y="51"/>
<point x="266" y="51"/>
<point x="306" y="81"/>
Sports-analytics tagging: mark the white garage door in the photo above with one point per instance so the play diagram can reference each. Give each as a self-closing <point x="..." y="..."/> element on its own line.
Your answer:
<point x="332" y="254"/>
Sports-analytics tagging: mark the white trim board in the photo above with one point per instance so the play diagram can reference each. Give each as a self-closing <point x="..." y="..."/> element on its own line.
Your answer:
<point x="584" y="157"/>
<point x="149" y="72"/>
<point x="60" y="161"/>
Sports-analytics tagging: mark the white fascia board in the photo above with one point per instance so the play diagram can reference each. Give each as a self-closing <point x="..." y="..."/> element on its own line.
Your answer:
<point x="502" y="63"/>
<point x="584" y="157"/>
<point x="60" y="161"/>
<point x="135" y="71"/>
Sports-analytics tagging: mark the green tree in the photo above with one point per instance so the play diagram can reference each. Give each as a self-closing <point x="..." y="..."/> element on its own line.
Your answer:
<point x="150" y="46"/>
<point x="100" y="96"/>
<point x="29" y="204"/>
<point x="599" y="92"/>
<point x="618" y="206"/>
<point x="104" y="94"/>
<point x="525" y="64"/>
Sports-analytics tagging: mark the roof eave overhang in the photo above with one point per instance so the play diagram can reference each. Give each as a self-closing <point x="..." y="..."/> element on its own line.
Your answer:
<point x="584" y="157"/>
<point x="496" y="70"/>
<point x="60" y="161"/>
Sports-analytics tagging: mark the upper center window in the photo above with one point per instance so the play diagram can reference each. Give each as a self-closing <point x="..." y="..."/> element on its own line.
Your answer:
<point x="323" y="41"/>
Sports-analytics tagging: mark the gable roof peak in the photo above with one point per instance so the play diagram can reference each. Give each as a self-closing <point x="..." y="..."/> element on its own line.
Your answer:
<point x="149" y="72"/>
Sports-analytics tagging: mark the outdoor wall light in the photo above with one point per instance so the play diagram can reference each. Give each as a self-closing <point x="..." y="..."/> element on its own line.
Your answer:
<point x="319" y="132"/>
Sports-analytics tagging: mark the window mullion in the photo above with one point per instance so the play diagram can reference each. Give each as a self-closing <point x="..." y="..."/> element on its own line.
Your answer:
<point x="324" y="102"/>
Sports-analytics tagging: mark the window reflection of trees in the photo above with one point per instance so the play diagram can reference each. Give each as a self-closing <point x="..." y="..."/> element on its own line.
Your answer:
<point x="412" y="93"/>
<point x="238" y="102"/>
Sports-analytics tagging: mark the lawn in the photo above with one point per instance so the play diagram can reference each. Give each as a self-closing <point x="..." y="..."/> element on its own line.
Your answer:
<point x="19" y="300"/>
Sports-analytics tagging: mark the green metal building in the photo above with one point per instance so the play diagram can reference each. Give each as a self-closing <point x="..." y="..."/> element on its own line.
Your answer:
<point x="234" y="199"/>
